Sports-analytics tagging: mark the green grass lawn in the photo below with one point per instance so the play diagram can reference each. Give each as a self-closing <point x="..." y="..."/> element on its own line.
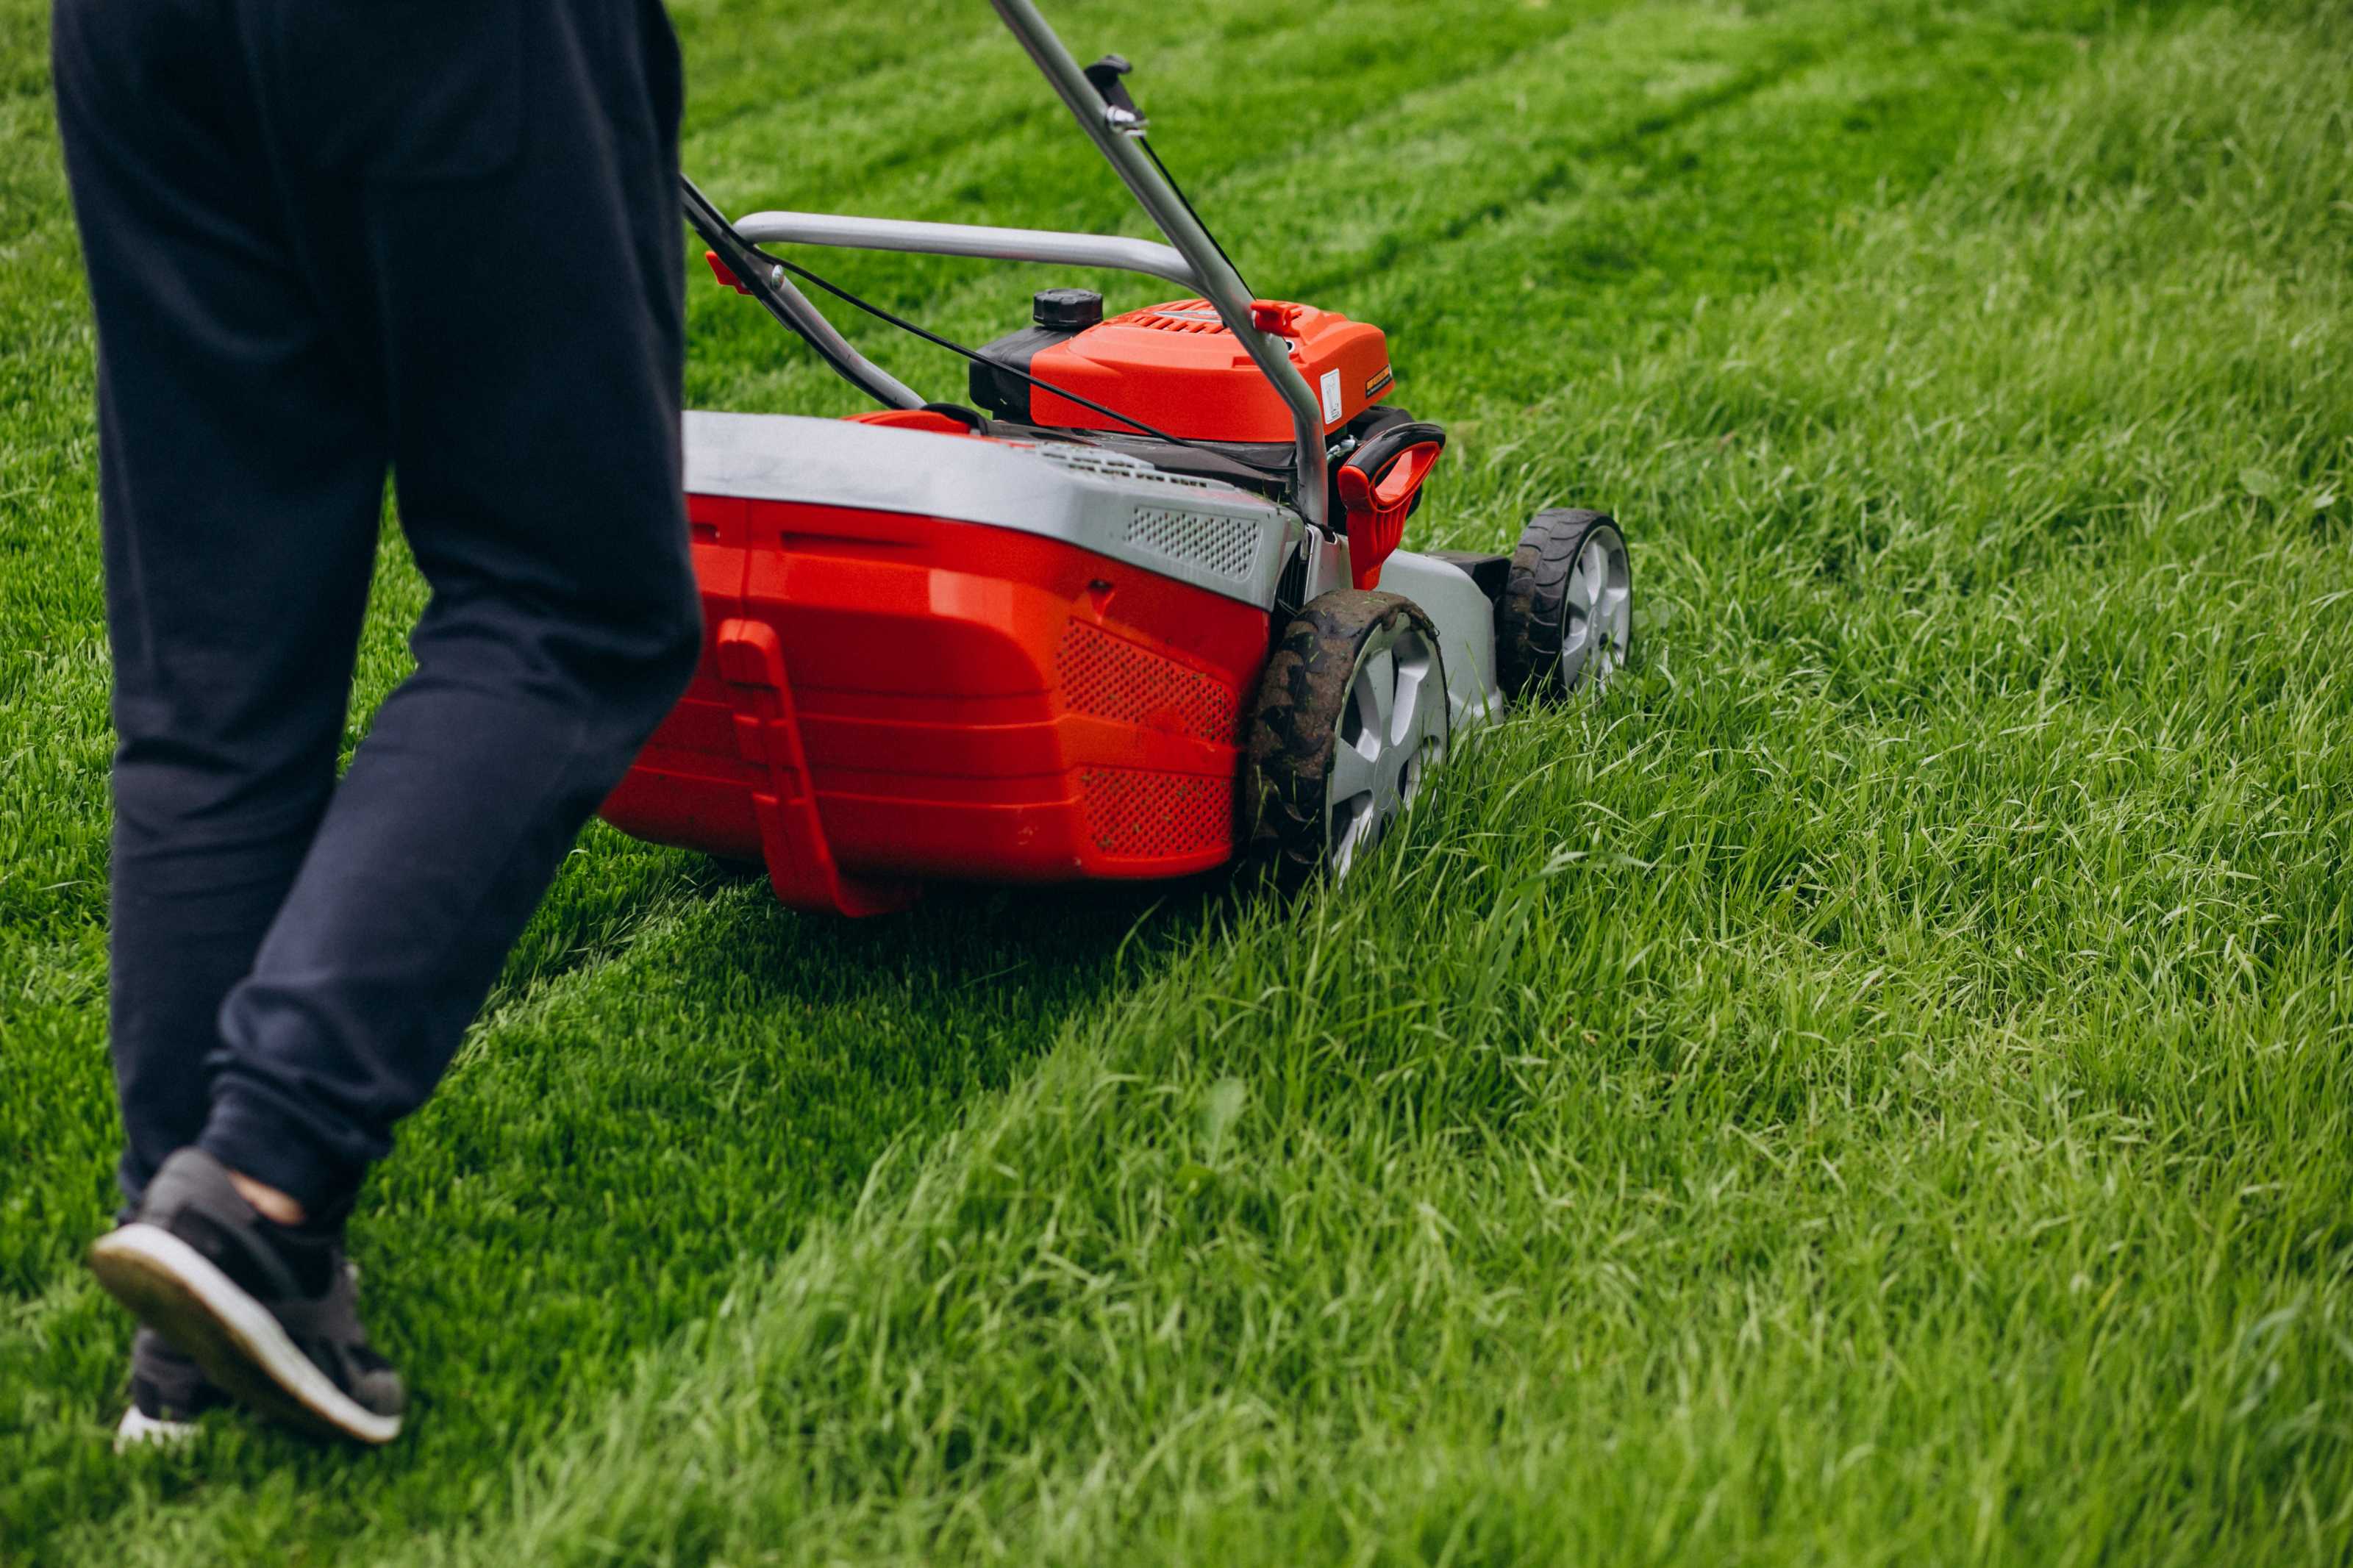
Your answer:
<point x="1871" y="1088"/>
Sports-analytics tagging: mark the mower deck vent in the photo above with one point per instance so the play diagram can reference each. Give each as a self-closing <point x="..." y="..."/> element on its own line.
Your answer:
<point x="1225" y="546"/>
<point x="1107" y="676"/>
<point x="1178" y="324"/>
<point x="1149" y="815"/>
<point x="1115" y="465"/>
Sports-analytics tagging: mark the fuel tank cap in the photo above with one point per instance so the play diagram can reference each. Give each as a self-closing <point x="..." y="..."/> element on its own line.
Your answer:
<point x="1066" y="309"/>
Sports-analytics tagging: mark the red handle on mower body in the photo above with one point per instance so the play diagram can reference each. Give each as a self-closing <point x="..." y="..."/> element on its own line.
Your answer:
<point x="1377" y="485"/>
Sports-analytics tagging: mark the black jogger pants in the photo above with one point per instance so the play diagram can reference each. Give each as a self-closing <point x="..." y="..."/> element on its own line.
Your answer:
<point x="329" y="240"/>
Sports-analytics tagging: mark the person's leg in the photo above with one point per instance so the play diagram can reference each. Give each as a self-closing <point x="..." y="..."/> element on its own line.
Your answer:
<point x="484" y="197"/>
<point x="241" y="482"/>
<point x="529" y="316"/>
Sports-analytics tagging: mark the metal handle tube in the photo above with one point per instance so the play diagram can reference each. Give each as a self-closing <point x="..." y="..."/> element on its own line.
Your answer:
<point x="1217" y="280"/>
<point x="970" y="239"/>
<point x="776" y="294"/>
<point x="863" y="373"/>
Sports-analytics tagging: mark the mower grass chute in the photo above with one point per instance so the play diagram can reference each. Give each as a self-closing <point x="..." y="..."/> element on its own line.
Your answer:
<point x="1135" y="610"/>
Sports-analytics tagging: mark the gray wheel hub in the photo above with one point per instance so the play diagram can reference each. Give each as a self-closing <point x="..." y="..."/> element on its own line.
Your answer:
<point x="1392" y="731"/>
<point x="1597" y="611"/>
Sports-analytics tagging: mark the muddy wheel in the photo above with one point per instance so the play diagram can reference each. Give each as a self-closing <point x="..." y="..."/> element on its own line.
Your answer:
<point x="1351" y="716"/>
<point x="1568" y="610"/>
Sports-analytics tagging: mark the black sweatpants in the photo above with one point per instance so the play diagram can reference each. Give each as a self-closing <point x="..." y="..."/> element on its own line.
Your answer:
<point x="329" y="240"/>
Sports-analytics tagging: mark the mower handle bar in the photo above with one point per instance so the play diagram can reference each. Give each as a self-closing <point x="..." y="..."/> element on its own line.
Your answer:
<point x="970" y="239"/>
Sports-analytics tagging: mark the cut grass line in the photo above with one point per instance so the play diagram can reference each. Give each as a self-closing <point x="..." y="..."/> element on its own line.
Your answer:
<point x="1423" y="148"/>
<point x="718" y="1017"/>
<point x="1558" y="175"/>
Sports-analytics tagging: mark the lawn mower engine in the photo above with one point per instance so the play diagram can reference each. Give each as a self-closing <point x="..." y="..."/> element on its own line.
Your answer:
<point x="1177" y="367"/>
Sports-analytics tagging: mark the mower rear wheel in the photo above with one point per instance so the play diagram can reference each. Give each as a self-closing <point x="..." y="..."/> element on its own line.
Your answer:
<point x="1352" y="714"/>
<point x="1568" y="610"/>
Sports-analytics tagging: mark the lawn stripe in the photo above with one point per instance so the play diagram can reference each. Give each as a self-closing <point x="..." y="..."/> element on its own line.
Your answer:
<point x="1435" y="160"/>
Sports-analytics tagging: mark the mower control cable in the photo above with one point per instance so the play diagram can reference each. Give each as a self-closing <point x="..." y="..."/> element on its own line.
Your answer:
<point x="737" y="254"/>
<point x="1120" y="109"/>
<point x="976" y="357"/>
<point x="1186" y="203"/>
<point x="788" y="305"/>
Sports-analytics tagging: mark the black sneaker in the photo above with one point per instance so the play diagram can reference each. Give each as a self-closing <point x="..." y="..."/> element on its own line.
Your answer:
<point x="168" y="1392"/>
<point x="270" y="1313"/>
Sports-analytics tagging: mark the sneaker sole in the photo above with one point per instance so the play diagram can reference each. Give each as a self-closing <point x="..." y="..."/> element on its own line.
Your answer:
<point x="177" y="1291"/>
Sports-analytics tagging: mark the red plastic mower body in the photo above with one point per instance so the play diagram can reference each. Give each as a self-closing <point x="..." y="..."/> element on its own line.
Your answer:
<point x="933" y="654"/>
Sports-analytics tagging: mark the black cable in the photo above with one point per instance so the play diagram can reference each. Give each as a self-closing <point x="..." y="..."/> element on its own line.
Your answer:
<point x="879" y="313"/>
<point x="1186" y="203"/>
<point x="735" y="252"/>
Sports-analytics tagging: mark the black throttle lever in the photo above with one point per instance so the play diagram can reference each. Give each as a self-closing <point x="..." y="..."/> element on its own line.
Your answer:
<point x="1119" y="108"/>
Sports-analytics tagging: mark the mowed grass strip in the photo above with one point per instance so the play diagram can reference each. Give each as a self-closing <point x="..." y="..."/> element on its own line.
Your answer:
<point x="1924" y="529"/>
<point x="1348" y="154"/>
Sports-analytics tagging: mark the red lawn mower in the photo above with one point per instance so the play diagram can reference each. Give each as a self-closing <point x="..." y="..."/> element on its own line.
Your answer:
<point x="1134" y="611"/>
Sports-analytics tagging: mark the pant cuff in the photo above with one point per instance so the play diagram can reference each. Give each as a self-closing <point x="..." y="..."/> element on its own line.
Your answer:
<point x="257" y="1142"/>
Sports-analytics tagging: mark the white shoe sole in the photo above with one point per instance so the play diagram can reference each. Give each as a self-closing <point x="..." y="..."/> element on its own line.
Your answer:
<point x="137" y="1430"/>
<point x="178" y="1292"/>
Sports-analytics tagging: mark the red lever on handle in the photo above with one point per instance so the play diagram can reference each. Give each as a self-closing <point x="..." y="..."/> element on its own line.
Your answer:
<point x="1280" y="317"/>
<point x="1376" y="506"/>
<point x="726" y="275"/>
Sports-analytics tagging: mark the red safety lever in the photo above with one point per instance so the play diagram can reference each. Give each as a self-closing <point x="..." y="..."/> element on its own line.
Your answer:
<point x="1280" y="317"/>
<point x="718" y="270"/>
<point x="1377" y="485"/>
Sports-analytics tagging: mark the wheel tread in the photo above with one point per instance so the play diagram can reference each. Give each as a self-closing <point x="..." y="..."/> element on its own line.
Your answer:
<point x="1528" y="616"/>
<point x="1293" y="726"/>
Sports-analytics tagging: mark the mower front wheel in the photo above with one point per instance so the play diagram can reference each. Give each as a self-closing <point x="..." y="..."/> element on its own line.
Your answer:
<point x="1352" y="714"/>
<point x="1567" y="609"/>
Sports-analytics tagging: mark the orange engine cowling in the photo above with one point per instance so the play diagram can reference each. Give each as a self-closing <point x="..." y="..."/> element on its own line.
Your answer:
<point x="1179" y="367"/>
